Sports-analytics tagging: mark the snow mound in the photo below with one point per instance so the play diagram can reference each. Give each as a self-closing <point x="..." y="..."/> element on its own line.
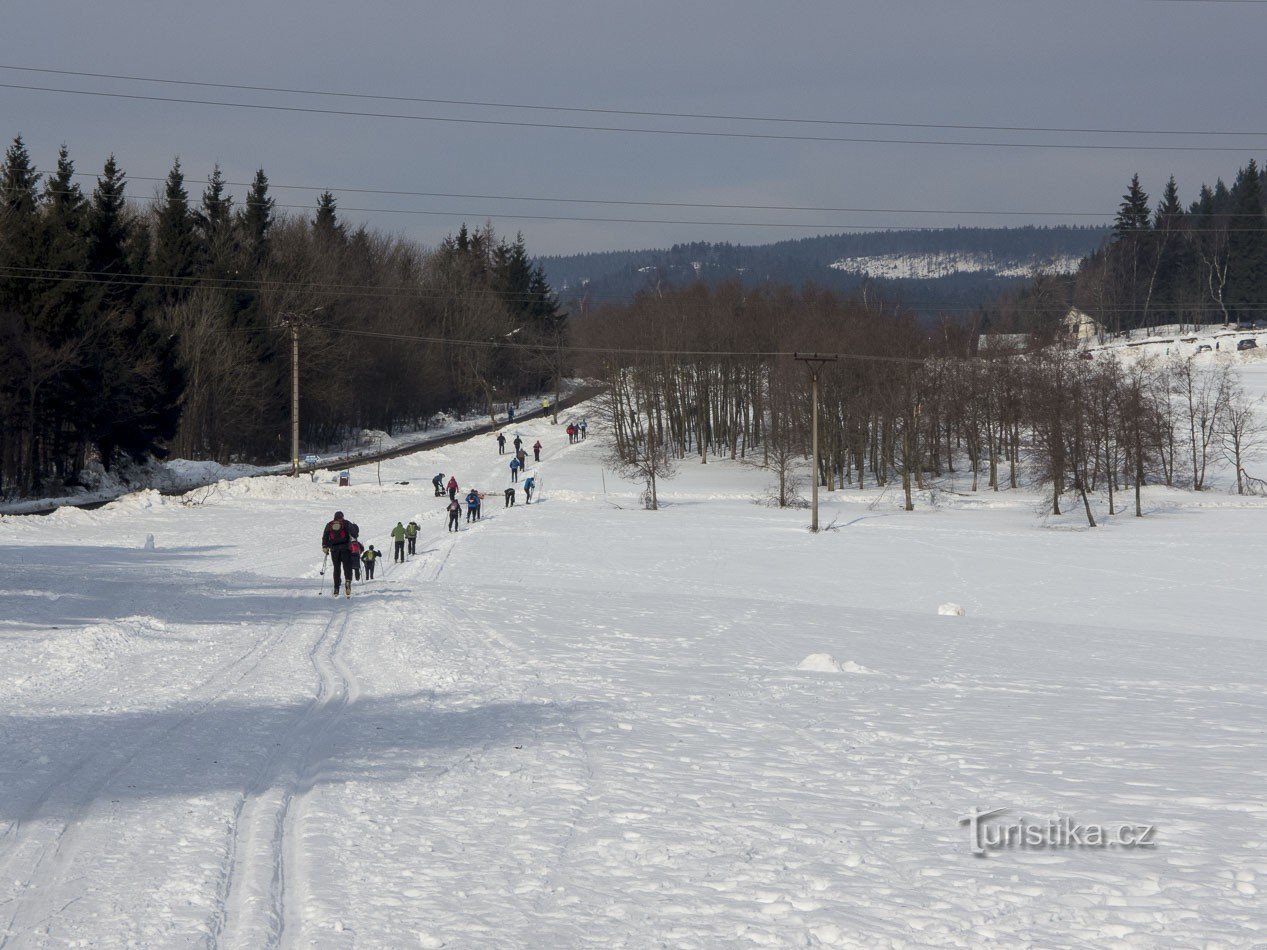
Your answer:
<point x="950" y="610"/>
<point x="137" y="501"/>
<point x="826" y="663"/>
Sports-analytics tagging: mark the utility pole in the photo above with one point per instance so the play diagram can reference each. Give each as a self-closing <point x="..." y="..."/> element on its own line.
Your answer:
<point x="814" y="363"/>
<point x="294" y="321"/>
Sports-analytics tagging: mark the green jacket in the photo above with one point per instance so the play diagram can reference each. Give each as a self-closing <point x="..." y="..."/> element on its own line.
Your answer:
<point x="398" y="532"/>
<point x="411" y="530"/>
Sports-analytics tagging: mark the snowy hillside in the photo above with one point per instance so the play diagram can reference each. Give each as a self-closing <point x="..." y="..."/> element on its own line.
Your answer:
<point x="937" y="265"/>
<point x="581" y="724"/>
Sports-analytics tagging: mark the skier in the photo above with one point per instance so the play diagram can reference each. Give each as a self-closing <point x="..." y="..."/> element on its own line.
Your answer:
<point x="571" y="431"/>
<point x="355" y="550"/>
<point x="529" y="484"/>
<point x="510" y="498"/>
<point x="472" y="506"/>
<point x="519" y="444"/>
<point x="510" y="413"/>
<point x="514" y="469"/>
<point x="583" y="427"/>
<point x="545" y="407"/>
<point x="501" y="443"/>
<point x="523" y="460"/>
<point x="438" y="484"/>
<point x="368" y="559"/>
<point x="453" y="488"/>
<point x="455" y="513"/>
<point x="335" y="537"/>
<point x="411" y="535"/>
<point x="398" y="549"/>
<point x="536" y="451"/>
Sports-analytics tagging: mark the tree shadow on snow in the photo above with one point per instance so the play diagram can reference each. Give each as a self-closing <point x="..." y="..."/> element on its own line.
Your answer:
<point x="67" y="585"/>
<point x="56" y="764"/>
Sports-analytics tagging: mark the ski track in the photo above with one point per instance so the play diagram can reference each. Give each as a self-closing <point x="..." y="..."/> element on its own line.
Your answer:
<point x="51" y="840"/>
<point x="263" y="875"/>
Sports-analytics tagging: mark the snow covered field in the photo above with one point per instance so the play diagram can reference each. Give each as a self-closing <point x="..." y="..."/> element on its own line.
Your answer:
<point x="583" y="724"/>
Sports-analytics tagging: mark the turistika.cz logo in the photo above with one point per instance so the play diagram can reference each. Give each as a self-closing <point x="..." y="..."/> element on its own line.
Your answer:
<point x="986" y="834"/>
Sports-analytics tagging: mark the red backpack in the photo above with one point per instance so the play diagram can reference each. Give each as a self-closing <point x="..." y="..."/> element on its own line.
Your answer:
<point x="336" y="533"/>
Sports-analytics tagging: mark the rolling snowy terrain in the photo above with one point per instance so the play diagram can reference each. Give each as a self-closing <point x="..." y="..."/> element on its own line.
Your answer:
<point x="944" y="264"/>
<point x="578" y="723"/>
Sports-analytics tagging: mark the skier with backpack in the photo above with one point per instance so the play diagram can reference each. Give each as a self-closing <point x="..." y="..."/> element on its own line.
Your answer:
<point x="455" y="514"/>
<point x="337" y="535"/>
<point x="411" y="535"/>
<point x="473" y="498"/>
<point x="356" y="549"/>
<point x="368" y="559"/>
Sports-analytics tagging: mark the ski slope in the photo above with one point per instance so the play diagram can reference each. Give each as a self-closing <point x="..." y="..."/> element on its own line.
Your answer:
<point x="581" y="724"/>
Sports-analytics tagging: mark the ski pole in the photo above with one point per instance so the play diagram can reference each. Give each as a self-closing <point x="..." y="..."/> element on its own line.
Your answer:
<point x="323" y="572"/>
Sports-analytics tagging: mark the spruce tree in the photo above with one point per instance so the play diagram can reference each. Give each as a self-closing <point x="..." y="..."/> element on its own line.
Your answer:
<point x="1133" y="213"/>
<point x="1247" y="246"/>
<point x="20" y="252"/>
<point x="256" y="219"/>
<point x="108" y="233"/>
<point x="175" y="246"/>
<point x="64" y="248"/>
<point x="325" y="225"/>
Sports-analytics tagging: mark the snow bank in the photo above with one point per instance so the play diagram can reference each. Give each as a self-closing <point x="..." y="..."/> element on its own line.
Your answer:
<point x="826" y="663"/>
<point x="950" y="610"/>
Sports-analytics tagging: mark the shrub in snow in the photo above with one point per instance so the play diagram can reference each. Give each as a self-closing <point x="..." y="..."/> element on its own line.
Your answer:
<point x="950" y="610"/>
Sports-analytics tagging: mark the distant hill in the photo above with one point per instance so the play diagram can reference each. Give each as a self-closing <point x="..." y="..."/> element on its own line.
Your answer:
<point x="947" y="268"/>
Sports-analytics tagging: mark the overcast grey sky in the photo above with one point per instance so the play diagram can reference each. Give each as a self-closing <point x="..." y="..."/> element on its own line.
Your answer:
<point x="1117" y="64"/>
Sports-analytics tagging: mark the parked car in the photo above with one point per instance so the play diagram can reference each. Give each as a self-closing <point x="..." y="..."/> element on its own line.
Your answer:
<point x="1247" y="345"/>
<point x="1260" y="324"/>
<point x="1205" y="348"/>
<point x="312" y="459"/>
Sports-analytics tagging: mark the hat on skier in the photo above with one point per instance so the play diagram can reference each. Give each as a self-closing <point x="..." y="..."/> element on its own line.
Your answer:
<point x="338" y="514"/>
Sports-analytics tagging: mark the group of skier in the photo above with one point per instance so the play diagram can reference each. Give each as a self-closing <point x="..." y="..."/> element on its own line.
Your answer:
<point x="577" y="431"/>
<point x="340" y="538"/>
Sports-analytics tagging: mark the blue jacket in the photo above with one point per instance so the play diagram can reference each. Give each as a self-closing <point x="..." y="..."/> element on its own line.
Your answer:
<point x="530" y="482"/>
<point x="514" y="465"/>
<point x="473" y="500"/>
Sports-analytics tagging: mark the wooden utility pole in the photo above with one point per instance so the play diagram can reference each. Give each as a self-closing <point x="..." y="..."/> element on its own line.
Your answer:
<point x="814" y="363"/>
<point x="294" y="321"/>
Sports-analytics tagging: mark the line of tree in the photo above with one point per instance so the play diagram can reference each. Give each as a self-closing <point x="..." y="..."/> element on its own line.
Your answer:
<point x="905" y="409"/>
<point x="1165" y="263"/>
<point x="132" y="331"/>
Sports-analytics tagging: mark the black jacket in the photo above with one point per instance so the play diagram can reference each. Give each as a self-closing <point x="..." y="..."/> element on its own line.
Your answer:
<point x="339" y="533"/>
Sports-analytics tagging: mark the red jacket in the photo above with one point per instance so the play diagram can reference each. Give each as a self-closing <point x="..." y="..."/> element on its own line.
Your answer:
<point x="453" y="483"/>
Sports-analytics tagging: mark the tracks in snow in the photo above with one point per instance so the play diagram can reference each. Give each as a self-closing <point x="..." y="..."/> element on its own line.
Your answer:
<point x="263" y="884"/>
<point x="44" y="843"/>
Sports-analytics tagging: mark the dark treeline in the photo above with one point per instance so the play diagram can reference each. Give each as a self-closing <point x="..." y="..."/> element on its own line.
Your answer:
<point x="1166" y="263"/>
<point x="128" y="331"/>
<point x="905" y="409"/>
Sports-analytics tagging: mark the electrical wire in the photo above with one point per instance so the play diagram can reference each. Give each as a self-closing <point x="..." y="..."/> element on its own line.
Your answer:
<point x="575" y="127"/>
<point x="644" y="113"/>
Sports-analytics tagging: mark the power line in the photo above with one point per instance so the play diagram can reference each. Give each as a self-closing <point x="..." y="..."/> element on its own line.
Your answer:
<point x="644" y="113"/>
<point x="875" y="226"/>
<point x="633" y="202"/>
<point x="766" y="136"/>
